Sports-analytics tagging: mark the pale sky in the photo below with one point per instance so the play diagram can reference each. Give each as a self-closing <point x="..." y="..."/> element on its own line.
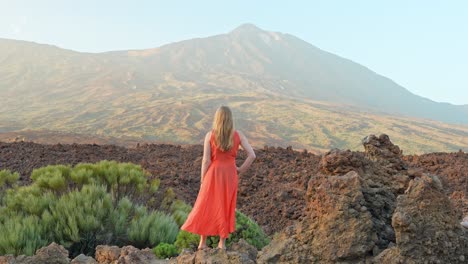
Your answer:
<point x="421" y="45"/>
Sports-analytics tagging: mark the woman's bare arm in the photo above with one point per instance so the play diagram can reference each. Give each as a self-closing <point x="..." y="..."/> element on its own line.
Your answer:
<point x="206" y="161"/>
<point x="250" y="153"/>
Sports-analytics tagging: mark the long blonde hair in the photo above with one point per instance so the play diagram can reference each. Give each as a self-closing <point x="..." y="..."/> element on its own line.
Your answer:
<point x="223" y="128"/>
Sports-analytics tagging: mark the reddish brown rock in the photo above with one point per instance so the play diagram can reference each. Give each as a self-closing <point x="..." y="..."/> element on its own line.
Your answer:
<point x="107" y="254"/>
<point x="427" y="226"/>
<point x="336" y="228"/>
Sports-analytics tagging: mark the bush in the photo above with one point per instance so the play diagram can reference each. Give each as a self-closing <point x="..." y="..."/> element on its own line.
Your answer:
<point x="7" y="180"/>
<point x="165" y="250"/>
<point x="246" y="229"/>
<point x="152" y="229"/>
<point x="250" y="231"/>
<point x="186" y="240"/>
<point x="81" y="207"/>
<point x="91" y="204"/>
<point x="180" y="211"/>
<point x="20" y="234"/>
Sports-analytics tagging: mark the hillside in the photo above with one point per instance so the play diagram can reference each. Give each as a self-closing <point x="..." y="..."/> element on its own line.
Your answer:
<point x="283" y="91"/>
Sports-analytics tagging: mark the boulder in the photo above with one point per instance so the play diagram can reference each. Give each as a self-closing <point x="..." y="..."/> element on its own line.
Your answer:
<point x="382" y="150"/>
<point x="337" y="227"/>
<point x="130" y="255"/>
<point x="340" y="162"/>
<point x="8" y="259"/>
<point x="107" y="254"/>
<point x="52" y="254"/>
<point x="427" y="226"/>
<point x="82" y="259"/>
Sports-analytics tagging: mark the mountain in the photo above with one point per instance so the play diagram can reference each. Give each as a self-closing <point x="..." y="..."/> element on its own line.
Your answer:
<point x="283" y="90"/>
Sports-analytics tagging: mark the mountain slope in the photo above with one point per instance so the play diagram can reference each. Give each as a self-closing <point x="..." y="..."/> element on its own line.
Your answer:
<point x="283" y="91"/>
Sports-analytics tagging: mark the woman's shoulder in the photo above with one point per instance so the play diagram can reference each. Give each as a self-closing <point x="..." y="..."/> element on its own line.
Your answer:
<point x="239" y="134"/>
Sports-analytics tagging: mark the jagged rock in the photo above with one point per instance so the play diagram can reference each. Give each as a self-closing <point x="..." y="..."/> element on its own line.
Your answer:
<point x="107" y="254"/>
<point x="8" y="259"/>
<point x="82" y="259"/>
<point x="125" y="255"/>
<point x="340" y="162"/>
<point x="381" y="149"/>
<point x="427" y="226"/>
<point x="239" y="253"/>
<point x="132" y="255"/>
<point x="337" y="227"/>
<point x="52" y="254"/>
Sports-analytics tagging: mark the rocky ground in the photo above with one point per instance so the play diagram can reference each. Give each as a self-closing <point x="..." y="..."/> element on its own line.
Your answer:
<point x="343" y="206"/>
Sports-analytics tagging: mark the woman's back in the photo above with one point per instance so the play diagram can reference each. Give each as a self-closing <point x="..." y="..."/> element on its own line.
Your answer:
<point x="224" y="156"/>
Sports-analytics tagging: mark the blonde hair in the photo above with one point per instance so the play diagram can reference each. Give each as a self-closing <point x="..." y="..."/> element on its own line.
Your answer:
<point x="223" y="128"/>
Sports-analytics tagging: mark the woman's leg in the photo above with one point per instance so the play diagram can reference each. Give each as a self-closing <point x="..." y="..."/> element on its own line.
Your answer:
<point x="202" y="244"/>
<point x="222" y="243"/>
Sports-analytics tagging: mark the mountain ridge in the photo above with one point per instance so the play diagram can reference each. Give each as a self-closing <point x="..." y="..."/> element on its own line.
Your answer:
<point x="282" y="89"/>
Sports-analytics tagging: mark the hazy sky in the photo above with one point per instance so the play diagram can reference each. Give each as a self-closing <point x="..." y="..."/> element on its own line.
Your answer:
<point x="422" y="45"/>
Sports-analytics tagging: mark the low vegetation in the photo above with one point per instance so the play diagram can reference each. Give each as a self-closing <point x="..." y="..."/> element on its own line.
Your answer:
<point x="87" y="205"/>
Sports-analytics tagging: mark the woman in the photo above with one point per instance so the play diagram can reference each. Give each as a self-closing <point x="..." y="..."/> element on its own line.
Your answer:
<point x="214" y="211"/>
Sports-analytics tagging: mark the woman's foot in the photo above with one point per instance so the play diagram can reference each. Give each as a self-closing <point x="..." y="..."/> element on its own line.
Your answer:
<point x="202" y="247"/>
<point x="222" y="243"/>
<point x="202" y="244"/>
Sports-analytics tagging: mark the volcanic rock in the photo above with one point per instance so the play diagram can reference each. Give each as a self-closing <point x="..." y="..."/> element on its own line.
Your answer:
<point x="82" y="259"/>
<point x="239" y="253"/>
<point x="427" y="226"/>
<point x="382" y="150"/>
<point x="52" y="254"/>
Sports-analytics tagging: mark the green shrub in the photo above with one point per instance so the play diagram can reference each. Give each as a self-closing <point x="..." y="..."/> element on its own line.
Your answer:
<point x="186" y="240"/>
<point x="21" y="234"/>
<point x="179" y="211"/>
<point x="165" y="250"/>
<point x="52" y="177"/>
<point x="169" y="198"/>
<point x="90" y="204"/>
<point x="154" y="185"/>
<point x="7" y="180"/>
<point x="250" y="231"/>
<point x="80" y="216"/>
<point x="246" y="229"/>
<point x="29" y="199"/>
<point x="81" y="207"/>
<point x="152" y="229"/>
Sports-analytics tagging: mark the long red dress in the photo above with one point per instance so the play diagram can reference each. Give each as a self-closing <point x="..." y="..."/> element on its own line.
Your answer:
<point x="214" y="211"/>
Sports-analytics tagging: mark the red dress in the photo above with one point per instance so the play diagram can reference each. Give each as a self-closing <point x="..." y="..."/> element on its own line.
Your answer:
<point x="214" y="211"/>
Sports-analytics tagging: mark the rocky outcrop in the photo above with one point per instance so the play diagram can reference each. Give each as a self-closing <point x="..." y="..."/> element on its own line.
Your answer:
<point x="427" y="226"/>
<point x="56" y="254"/>
<point x="338" y="226"/>
<point x="340" y="162"/>
<point x="382" y="150"/>
<point x="52" y="254"/>
<point x="125" y="255"/>
<point x="451" y="168"/>
<point x="238" y="253"/>
<point x="353" y="214"/>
